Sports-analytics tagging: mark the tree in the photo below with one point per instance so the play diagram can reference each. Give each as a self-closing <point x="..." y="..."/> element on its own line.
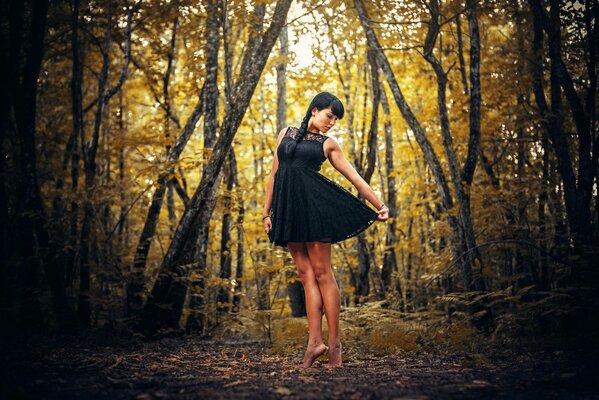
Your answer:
<point x="578" y="182"/>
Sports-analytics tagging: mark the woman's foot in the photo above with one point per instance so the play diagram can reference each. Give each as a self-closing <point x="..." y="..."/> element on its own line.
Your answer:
<point x="334" y="355"/>
<point x="312" y="353"/>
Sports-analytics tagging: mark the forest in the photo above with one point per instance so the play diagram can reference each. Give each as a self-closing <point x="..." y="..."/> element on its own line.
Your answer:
<point x="138" y="137"/>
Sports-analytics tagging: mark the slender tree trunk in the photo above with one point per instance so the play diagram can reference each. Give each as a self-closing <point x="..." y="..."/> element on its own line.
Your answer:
<point x="211" y="99"/>
<point x="525" y="269"/>
<point x="225" y="240"/>
<point x="467" y="173"/>
<point x="458" y="23"/>
<point x="23" y="31"/>
<point x="238" y="287"/>
<point x="365" y="167"/>
<point x="281" y="80"/>
<point x="78" y="129"/>
<point x="577" y="185"/>
<point x="390" y="264"/>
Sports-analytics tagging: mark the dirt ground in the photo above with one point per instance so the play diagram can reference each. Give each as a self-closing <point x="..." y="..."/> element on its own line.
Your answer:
<point x="187" y="368"/>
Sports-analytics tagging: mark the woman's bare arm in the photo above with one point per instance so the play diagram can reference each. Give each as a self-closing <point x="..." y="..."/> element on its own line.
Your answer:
<point x="337" y="158"/>
<point x="271" y="178"/>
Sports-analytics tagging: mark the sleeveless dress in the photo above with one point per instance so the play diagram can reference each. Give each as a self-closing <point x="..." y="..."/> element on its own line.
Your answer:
<point x="306" y="205"/>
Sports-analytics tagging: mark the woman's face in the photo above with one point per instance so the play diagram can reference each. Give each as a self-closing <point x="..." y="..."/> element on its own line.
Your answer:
<point x="324" y="119"/>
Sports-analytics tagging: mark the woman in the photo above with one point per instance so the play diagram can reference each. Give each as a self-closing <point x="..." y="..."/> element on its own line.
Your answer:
<point x="306" y="212"/>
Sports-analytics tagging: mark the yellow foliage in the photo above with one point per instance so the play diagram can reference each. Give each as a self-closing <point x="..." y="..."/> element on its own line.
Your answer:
<point x="392" y="340"/>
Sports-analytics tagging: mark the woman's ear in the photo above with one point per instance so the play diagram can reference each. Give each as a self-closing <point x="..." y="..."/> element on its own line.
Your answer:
<point x="314" y="111"/>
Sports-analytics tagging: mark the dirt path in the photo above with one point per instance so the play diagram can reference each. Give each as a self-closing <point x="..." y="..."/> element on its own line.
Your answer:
<point x="185" y="368"/>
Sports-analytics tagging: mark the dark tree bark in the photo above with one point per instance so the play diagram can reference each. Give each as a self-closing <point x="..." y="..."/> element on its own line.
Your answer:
<point x="170" y="197"/>
<point x="228" y="68"/>
<point x="226" y="251"/>
<point x="123" y="239"/>
<point x="211" y="98"/>
<point x="389" y="257"/>
<point x="458" y="23"/>
<point x="237" y="286"/>
<point x="210" y="83"/>
<point x="577" y="184"/>
<point x="281" y="80"/>
<point x="467" y="173"/>
<point x="163" y="308"/>
<point x="365" y="167"/>
<point x="525" y="269"/>
<point x="75" y="152"/>
<point x="23" y="28"/>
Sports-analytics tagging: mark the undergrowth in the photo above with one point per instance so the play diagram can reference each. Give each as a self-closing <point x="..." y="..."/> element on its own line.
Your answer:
<point x="469" y="323"/>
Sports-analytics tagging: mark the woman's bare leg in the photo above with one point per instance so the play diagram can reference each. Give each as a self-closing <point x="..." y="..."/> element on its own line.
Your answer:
<point x="305" y="272"/>
<point x="319" y="254"/>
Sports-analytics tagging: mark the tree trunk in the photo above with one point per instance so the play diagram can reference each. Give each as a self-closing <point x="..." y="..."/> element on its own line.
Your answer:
<point x="458" y="23"/>
<point x="24" y="22"/>
<point x="365" y="167"/>
<point x="390" y="264"/>
<point x="211" y="98"/>
<point x="238" y="287"/>
<point x="225" y="240"/>
<point x="577" y="185"/>
<point x="281" y="80"/>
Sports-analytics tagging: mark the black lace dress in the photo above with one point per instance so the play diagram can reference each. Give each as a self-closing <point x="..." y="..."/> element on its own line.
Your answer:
<point x="307" y="206"/>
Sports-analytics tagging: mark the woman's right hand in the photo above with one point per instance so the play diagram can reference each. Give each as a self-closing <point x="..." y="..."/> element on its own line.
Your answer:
<point x="267" y="224"/>
<point x="383" y="213"/>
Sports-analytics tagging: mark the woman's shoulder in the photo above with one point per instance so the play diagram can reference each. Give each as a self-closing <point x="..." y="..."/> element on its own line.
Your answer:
<point x="285" y="131"/>
<point x="330" y="144"/>
<point x="292" y="131"/>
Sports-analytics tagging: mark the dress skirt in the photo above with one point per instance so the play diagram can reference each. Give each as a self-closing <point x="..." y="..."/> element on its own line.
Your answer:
<point x="309" y="207"/>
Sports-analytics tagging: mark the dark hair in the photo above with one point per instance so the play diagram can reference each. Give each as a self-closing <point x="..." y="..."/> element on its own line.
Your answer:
<point x="320" y="101"/>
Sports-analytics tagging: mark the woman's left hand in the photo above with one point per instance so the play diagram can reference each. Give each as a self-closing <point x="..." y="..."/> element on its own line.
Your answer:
<point x="383" y="214"/>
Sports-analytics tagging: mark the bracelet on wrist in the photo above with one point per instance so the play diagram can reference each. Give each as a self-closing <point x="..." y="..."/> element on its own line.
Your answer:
<point x="266" y="216"/>
<point x="381" y="207"/>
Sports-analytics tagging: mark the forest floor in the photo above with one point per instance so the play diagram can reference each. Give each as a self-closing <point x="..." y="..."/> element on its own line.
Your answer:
<point x="188" y="368"/>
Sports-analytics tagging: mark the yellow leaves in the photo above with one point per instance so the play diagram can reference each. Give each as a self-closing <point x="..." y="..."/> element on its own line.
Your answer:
<point x="454" y="211"/>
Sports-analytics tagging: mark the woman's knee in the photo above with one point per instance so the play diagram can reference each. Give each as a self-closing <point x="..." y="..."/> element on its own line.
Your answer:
<point x="300" y="256"/>
<point x="305" y="273"/>
<point x="322" y="272"/>
<point x="320" y="259"/>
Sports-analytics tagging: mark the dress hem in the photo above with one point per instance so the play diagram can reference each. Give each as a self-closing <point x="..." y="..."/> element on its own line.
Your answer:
<point x="283" y="243"/>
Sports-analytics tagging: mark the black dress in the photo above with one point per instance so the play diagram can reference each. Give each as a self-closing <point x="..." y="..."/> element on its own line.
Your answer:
<point x="307" y="206"/>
